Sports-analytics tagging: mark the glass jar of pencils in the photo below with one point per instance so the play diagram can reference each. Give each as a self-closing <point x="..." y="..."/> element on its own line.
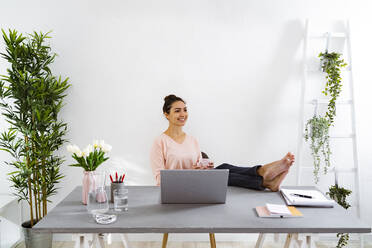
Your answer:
<point x="116" y="183"/>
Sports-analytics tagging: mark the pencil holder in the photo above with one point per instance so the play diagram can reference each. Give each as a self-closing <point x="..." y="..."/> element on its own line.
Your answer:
<point x="113" y="187"/>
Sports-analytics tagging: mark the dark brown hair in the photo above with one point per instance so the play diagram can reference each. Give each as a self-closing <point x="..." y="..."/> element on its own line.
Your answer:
<point x="169" y="100"/>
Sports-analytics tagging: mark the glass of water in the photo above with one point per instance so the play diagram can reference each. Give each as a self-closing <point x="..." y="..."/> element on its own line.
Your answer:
<point x="121" y="199"/>
<point x="97" y="201"/>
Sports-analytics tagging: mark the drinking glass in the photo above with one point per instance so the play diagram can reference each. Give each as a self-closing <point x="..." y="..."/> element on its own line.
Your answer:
<point x="97" y="201"/>
<point x="121" y="199"/>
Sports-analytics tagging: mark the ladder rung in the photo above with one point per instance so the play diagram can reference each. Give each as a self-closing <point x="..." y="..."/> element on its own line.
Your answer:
<point x="343" y="170"/>
<point x="325" y="35"/>
<point x="325" y="101"/>
<point x="342" y="136"/>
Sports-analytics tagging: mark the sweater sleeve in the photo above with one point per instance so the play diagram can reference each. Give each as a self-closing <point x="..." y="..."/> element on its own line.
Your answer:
<point x="199" y="151"/>
<point x="157" y="159"/>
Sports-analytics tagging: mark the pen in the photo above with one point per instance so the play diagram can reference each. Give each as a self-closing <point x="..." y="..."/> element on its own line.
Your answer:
<point x="304" y="196"/>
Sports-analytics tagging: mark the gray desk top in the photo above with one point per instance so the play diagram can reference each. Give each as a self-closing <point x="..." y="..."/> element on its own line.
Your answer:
<point x="147" y="215"/>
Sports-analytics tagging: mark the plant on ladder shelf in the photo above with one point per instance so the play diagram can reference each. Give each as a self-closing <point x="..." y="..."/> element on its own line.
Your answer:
<point x="317" y="130"/>
<point x="332" y="64"/>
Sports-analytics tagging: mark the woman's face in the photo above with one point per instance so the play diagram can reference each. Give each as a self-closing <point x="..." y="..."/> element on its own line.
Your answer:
<point x="177" y="114"/>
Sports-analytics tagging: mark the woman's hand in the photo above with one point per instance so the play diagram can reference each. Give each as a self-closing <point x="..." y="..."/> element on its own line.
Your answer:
<point x="210" y="165"/>
<point x="205" y="164"/>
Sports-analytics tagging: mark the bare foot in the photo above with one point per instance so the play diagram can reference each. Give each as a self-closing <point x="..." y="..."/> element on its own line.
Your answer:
<point x="271" y="171"/>
<point x="274" y="184"/>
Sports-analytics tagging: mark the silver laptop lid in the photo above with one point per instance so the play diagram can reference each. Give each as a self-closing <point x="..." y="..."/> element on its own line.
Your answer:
<point x="193" y="186"/>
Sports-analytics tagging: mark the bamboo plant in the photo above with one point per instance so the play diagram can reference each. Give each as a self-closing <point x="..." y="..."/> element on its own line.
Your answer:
<point x="31" y="99"/>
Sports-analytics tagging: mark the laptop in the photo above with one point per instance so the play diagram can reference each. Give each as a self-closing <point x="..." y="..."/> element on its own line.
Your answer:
<point x="193" y="186"/>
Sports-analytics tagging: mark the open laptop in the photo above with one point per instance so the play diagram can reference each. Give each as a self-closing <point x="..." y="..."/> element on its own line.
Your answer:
<point x="193" y="186"/>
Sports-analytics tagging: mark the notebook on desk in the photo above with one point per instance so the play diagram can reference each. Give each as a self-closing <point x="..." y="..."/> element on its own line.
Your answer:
<point x="277" y="211"/>
<point x="301" y="197"/>
<point x="193" y="186"/>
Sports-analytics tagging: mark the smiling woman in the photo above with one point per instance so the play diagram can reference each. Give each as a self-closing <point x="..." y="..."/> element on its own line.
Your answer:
<point x="174" y="149"/>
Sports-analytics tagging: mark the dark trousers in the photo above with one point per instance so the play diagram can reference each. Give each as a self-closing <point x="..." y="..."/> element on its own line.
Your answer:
<point x="246" y="177"/>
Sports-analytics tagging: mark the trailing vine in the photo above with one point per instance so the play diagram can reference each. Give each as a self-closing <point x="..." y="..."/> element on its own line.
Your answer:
<point x="343" y="238"/>
<point x="317" y="129"/>
<point x="332" y="64"/>
<point x="340" y="194"/>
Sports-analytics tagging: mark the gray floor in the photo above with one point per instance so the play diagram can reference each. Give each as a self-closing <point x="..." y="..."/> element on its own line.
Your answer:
<point x="156" y="244"/>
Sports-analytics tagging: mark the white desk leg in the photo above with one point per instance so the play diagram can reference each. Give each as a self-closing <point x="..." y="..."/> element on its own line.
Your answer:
<point x="101" y="240"/>
<point x="84" y="242"/>
<point x="288" y="240"/>
<point x="260" y="240"/>
<point x="276" y="237"/>
<point x="361" y="239"/>
<point x="79" y="240"/>
<point x="297" y="241"/>
<point x="109" y="238"/>
<point x="308" y="241"/>
<point x="124" y="240"/>
<point x="92" y="243"/>
<point x="302" y="241"/>
<point x="98" y="241"/>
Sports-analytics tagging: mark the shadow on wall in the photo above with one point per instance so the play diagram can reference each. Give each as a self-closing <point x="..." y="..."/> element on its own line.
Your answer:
<point x="135" y="174"/>
<point x="283" y="67"/>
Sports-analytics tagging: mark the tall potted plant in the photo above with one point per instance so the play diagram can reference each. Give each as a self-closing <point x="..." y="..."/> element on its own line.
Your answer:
<point x="31" y="99"/>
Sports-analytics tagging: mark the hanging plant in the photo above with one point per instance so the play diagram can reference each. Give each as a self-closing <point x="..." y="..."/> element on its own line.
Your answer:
<point x="332" y="64"/>
<point x="316" y="131"/>
<point x="339" y="194"/>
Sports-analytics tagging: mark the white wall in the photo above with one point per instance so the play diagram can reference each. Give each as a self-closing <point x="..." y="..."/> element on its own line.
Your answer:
<point x="236" y="63"/>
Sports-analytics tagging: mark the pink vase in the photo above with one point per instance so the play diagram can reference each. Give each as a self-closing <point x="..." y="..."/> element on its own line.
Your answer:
<point x="88" y="183"/>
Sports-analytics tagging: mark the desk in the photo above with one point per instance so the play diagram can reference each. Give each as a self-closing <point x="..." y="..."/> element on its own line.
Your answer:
<point x="147" y="215"/>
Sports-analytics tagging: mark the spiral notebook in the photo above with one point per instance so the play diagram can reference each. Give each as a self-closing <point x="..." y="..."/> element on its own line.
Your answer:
<point x="299" y="197"/>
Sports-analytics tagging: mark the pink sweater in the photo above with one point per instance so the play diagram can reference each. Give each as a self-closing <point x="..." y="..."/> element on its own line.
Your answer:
<point x="167" y="154"/>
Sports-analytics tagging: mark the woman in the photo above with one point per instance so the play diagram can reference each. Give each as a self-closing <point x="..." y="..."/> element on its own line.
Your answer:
<point x="174" y="149"/>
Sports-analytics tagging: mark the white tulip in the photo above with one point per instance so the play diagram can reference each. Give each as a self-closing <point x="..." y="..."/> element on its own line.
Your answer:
<point x="101" y="144"/>
<point x="106" y="148"/>
<point x="88" y="150"/>
<point x="75" y="149"/>
<point x="96" y="144"/>
<point x="70" y="148"/>
<point x="80" y="154"/>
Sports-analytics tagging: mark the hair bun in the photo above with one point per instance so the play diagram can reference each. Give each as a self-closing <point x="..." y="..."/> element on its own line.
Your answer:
<point x="170" y="97"/>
